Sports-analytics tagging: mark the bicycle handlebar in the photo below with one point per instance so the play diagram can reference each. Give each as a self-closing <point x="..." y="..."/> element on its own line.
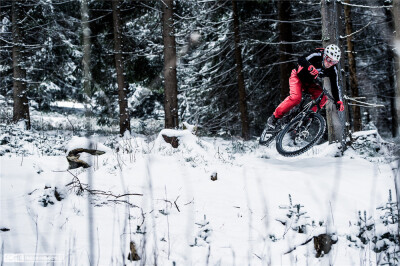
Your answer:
<point x="319" y="82"/>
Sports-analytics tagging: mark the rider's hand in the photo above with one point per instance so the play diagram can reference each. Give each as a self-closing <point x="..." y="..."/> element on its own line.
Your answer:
<point x="313" y="71"/>
<point x="340" y="106"/>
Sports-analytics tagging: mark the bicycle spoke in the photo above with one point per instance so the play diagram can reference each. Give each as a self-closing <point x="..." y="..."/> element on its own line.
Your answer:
<point x="300" y="135"/>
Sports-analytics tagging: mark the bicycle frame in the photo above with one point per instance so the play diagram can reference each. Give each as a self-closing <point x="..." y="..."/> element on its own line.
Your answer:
<point x="299" y="112"/>
<point x="307" y="108"/>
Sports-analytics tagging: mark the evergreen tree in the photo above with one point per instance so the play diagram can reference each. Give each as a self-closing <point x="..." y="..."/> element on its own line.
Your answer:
<point x="330" y="12"/>
<point x="239" y="70"/>
<point x="170" y="79"/>
<point x="352" y="67"/>
<point x="124" y="119"/>
<point x="21" y="106"/>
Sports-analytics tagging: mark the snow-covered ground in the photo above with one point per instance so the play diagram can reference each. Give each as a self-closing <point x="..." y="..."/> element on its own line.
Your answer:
<point x="208" y="202"/>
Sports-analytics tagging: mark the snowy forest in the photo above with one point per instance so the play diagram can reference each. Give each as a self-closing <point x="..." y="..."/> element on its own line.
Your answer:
<point x="130" y="133"/>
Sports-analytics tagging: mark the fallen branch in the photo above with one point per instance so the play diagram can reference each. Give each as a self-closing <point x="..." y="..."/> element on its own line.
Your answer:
<point x="108" y="193"/>
<point x="124" y="201"/>
<point x="302" y="244"/>
<point x="85" y="187"/>
<point x="75" y="162"/>
<point x="322" y="244"/>
<point x="176" y="205"/>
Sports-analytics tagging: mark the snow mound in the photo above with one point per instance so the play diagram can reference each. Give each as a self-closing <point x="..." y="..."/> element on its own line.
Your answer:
<point x="16" y="140"/>
<point x="86" y="143"/>
<point x="370" y="145"/>
<point x="190" y="147"/>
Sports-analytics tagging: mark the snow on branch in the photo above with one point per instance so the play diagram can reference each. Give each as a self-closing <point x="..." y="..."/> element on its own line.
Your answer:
<point x="253" y="41"/>
<point x="355" y="5"/>
<point x="343" y="37"/>
<point x="23" y="45"/>
<point x="283" y="21"/>
<point x="362" y="104"/>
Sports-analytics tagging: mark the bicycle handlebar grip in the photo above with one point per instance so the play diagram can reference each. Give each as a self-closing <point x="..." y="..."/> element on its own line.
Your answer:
<point x="319" y="81"/>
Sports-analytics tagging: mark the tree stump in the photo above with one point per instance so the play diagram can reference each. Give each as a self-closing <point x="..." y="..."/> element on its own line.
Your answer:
<point x="323" y="244"/>
<point x="133" y="255"/>
<point x="174" y="141"/>
<point x="214" y="176"/>
<point x="75" y="162"/>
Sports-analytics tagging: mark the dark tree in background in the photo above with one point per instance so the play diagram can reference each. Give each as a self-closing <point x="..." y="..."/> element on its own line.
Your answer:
<point x="239" y="71"/>
<point x="86" y="50"/>
<point x="124" y="119"/>
<point x="21" y="105"/>
<point x="351" y="55"/>
<point x="170" y="80"/>
<point x="330" y="11"/>
<point x="202" y="87"/>
<point x="285" y="46"/>
<point x="396" y="18"/>
<point x="390" y="55"/>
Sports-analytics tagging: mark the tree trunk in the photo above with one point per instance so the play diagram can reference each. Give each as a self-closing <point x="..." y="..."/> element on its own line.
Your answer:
<point x="239" y="71"/>
<point x="352" y="67"/>
<point x="124" y="120"/>
<point x="170" y="80"/>
<point x="390" y="70"/>
<point x="86" y="75"/>
<point x="21" y="105"/>
<point x="330" y="11"/>
<point x="396" y="18"/>
<point x="285" y="48"/>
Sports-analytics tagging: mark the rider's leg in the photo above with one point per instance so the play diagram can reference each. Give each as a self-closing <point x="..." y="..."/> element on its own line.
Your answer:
<point x="315" y="92"/>
<point x="293" y="99"/>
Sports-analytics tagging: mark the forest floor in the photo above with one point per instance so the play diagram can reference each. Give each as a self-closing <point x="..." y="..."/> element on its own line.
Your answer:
<point x="211" y="201"/>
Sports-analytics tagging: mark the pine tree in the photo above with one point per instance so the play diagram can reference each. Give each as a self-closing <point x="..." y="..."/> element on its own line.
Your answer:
<point x="352" y="66"/>
<point x="285" y="46"/>
<point x="170" y="79"/>
<point x="124" y="119"/>
<point x="330" y="12"/>
<point x="239" y="70"/>
<point x="396" y="18"/>
<point x="21" y="105"/>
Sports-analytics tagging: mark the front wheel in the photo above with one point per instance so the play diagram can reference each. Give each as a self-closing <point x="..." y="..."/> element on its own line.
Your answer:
<point x="300" y="134"/>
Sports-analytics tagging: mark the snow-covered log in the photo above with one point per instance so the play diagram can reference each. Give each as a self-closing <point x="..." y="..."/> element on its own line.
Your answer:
<point x="75" y="162"/>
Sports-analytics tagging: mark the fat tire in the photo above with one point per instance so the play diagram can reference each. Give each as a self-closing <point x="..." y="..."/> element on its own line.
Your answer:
<point x="321" y="131"/>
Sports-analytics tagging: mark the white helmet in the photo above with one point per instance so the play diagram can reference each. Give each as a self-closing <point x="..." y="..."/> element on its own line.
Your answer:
<point x="333" y="51"/>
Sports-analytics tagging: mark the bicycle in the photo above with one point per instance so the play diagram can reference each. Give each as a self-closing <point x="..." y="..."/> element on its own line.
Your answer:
<point x="300" y="129"/>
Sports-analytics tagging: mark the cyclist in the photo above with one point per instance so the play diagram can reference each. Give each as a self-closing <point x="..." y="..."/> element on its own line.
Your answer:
<point x="320" y="62"/>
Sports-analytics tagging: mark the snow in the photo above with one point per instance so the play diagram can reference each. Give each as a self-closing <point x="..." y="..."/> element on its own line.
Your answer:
<point x="86" y="143"/>
<point x="139" y="96"/>
<point x="68" y="104"/>
<point x="195" y="37"/>
<point x="163" y="199"/>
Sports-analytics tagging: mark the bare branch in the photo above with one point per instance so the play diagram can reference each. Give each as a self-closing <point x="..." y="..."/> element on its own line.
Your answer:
<point x="354" y="5"/>
<point x="343" y="37"/>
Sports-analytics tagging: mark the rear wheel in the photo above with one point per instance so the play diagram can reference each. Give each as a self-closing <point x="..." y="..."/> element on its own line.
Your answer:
<point x="300" y="134"/>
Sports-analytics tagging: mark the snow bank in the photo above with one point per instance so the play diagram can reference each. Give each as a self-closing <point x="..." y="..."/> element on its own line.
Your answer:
<point x="163" y="199"/>
<point x="86" y="143"/>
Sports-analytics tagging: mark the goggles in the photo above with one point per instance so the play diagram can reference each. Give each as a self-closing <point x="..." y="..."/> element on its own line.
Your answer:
<point x="330" y="60"/>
